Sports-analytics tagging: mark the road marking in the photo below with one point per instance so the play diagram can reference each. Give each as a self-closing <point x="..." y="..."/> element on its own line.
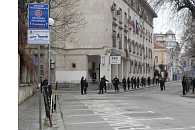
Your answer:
<point x="85" y="109"/>
<point x="161" y="118"/>
<point x="105" y="114"/>
<point x="82" y="123"/>
<point x="130" y="128"/>
<point x="192" y="127"/>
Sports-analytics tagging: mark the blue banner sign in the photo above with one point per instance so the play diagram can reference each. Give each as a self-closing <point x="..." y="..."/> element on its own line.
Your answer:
<point x="38" y="16"/>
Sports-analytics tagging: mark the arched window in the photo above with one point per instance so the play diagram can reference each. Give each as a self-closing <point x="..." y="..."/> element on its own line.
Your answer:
<point x="133" y="45"/>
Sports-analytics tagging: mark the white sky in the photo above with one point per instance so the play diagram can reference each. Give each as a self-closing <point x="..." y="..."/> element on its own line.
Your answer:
<point x="165" y="22"/>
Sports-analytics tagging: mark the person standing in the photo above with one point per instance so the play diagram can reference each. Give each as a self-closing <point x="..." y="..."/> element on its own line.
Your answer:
<point x="135" y="82"/>
<point x="142" y="81"/>
<point x="115" y="83"/>
<point x="85" y="86"/>
<point x="138" y="82"/>
<point x="124" y="84"/>
<point x="164" y="84"/>
<point x="132" y="82"/>
<point x="101" y="86"/>
<point x="184" y="85"/>
<point x="82" y="82"/>
<point x="149" y="81"/>
<point x="193" y="85"/>
<point x="157" y="80"/>
<point x="128" y="83"/>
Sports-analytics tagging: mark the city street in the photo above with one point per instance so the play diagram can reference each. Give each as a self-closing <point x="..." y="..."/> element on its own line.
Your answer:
<point x="144" y="109"/>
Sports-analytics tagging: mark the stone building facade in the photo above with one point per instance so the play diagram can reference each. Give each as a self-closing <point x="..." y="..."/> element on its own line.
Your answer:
<point x="115" y="41"/>
<point x="168" y="40"/>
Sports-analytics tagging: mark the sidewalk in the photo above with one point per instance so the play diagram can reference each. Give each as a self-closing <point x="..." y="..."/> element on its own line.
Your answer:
<point x="28" y="111"/>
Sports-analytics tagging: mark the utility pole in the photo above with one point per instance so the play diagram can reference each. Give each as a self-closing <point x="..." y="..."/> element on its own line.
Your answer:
<point x="40" y="117"/>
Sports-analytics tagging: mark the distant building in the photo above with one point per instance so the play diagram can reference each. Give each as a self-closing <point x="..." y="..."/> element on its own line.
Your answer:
<point x="168" y="41"/>
<point x="116" y="40"/>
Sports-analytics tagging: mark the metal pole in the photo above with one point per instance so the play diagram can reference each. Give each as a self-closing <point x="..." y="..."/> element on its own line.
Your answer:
<point x="49" y="58"/>
<point x="40" y="119"/>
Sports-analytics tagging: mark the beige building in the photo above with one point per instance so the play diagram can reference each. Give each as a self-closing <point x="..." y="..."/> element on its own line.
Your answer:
<point x="116" y="40"/>
<point x="160" y="55"/>
<point x="168" y="41"/>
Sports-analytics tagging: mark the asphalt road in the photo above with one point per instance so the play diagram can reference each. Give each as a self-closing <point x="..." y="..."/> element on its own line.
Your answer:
<point x="144" y="109"/>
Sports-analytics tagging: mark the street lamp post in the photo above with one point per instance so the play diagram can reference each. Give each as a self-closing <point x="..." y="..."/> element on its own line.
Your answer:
<point x="51" y="22"/>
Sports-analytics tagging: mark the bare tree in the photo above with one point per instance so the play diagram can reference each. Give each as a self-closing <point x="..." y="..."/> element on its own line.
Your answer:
<point x="187" y="7"/>
<point x="68" y="20"/>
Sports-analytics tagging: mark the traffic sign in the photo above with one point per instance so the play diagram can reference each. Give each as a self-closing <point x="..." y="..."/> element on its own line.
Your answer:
<point x="38" y="37"/>
<point x="38" y="16"/>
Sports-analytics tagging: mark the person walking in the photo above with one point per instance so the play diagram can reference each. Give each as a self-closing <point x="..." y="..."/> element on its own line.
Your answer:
<point x="128" y="83"/>
<point x="164" y="84"/>
<point x="193" y="85"/>
<point x="115" y="83"/>
<point x="85" y="86"/>
<point x="124" y="84"/>
<point x="184" y="85"/>
<point x="161" y="83"/>
<point x="82" y="82"/>
<point x="105" y="80"/>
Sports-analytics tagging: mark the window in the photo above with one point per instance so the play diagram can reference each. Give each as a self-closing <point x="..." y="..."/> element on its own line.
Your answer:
<point x="156" y="59"/>
<point x="73" y="65"/>
<point x="119" y="13"/>
<point x="137" y="49"/>
<point x="113" y="9"/>
<point x="125" y="19"/>
<point x="129" y="42"/>
<point x="125" y="42"/>
<point x="120" y="40"/>
<point x="114" y="38"/>
<point x="133" y="44"/>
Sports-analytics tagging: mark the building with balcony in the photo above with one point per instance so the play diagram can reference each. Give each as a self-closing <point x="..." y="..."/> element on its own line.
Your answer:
<point x="115" y="41"/>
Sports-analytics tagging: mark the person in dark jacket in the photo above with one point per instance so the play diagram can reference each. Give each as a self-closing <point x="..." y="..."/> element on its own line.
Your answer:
<point x="82" y="82"/>
<point x="137" y="82"/>
<point x="161" y="83"/>
<point x="128" y="83"/>
<point x="124" y="83"/>
<point x="184" y="85"/>
<point x="142" y="81"/>
<point x="132" y="82"/>
<point x="193" y="85"/>
<point x="115" y="82"/>
<point x="105" y="80"/>
<point x="85" y="86"/>
<point x="101" y="85"/>
<point x="149" y="81"/>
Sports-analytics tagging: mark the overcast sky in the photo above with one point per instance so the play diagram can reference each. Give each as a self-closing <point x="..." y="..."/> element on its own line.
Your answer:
<point x="165" y="22"/>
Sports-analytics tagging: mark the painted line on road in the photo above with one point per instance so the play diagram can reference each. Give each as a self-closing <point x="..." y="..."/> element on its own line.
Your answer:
<point x="132" y="128"/>
<point x="192" y="127"/>
<point x="83" y="123"/>
<point x="83" y="115"/>
<point x="161" y="118"/>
